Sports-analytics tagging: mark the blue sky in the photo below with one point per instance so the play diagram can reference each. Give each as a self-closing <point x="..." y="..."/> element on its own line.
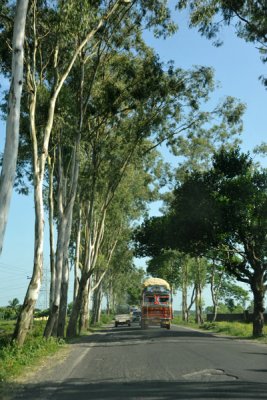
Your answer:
<point x="237" y="67"/>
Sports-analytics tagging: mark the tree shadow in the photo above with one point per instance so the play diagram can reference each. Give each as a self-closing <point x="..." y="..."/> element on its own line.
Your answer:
<point x="135" y="334"/>
<point x="152" y="390"/>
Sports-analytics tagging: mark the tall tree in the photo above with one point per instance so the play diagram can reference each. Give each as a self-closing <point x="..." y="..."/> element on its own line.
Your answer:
<point x="57" y="34"/>
<point x="167" y="265"/>
<point x="9" y="162"/>
<point x="225" y="208"/>
<point x="248" y="17"/>
<point x="49" y="63"/>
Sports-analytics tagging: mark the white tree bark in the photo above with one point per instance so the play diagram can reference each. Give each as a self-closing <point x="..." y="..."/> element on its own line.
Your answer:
<point x="77" y="258"/>
<point x="39" y="160"/>
<point x="13" y="117"/>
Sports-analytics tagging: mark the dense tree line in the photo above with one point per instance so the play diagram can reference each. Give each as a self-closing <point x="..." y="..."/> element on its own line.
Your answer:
<point x="218" y="214"/>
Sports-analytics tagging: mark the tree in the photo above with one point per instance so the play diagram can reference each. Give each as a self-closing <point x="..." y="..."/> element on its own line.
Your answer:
<point x="167" y="265"/>
<point x="46" y="74"/>
<point x="9" y="162"/>
<point x="248" y="17"/>
<point x="226" y="208"/>
<point x="222" y="287"/>
<point x="154" y="239"/>
<point x="14" y="305"/>
<point x="57" y="34"/>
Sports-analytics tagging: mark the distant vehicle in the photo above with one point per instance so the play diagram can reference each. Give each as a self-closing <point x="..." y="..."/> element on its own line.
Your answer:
<point x="122" y="315"/>
<point x="156" y="303"/>
<point x="136" y="317"/>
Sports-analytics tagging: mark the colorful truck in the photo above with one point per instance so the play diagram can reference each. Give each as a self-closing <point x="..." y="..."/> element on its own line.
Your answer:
<point x="156" y="305"/>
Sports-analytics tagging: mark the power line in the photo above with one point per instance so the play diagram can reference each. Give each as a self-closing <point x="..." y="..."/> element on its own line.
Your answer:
<point x="10" y="265"/>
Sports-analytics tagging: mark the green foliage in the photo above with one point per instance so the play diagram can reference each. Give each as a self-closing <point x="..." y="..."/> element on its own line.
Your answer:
<point x="239" y="329"/>
<point x="167" y="265"/>
<point x="226" y="205"/>
<point x="230" y="215"/>
<point x="41" y="313"/>
<point x="151" y="237"/>
<point x="248" y="17"/>
<point x="14" y="359"/>
<point x="104" y="319"/>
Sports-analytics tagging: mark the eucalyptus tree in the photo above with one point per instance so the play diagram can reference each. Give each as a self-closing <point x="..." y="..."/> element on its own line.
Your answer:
<point x="57" y="33"/>
<point x="128" y="204"/>
<point x="66" y="122"/>
<point x="248" y="18"/>
<point x="216" y="278"/>
<point x="9" y="161"/>
<point x="51" y="51"/>
<point x="123" y="283"/>
<point x="118" y="284"/>
<point x="109" y="211"/>
<point x="147" y="104"/>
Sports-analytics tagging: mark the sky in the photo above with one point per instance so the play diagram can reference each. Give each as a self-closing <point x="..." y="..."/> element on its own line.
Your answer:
<point x="237" y="67"/>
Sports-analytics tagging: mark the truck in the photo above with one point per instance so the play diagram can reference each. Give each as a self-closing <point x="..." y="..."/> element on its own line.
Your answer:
<point x="122" y="315"/>
<point x="156" y="304"/>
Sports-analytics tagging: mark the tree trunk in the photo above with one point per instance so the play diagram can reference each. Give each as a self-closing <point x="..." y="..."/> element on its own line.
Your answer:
<point x="53" y="315"/>
<point x="77" y="305"/>
<point x="96" y="309"/>
<point x="84" y="312"/>
<point x="185" y="315"/>
<point x="51" y="232"/>
<point x="27" y="310"/>
<point x="65" y="212"/>
<point x="63" y="299"/>
<point x="213" y="294"/>
<point x="95" y="237"/>
<point x="198" y="304"/>
<point x="9" y="162"/>
<point x="108" y="304"/>
<point x="259" y="291"/>
<point x="65" y="270"/>
<point x="77" y="258"/>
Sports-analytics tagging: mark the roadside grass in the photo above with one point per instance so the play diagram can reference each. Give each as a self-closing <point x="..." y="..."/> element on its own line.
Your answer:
<point x="14" y="359"/>
<point x="237" y="329"/>
<point x="104" y="320"/>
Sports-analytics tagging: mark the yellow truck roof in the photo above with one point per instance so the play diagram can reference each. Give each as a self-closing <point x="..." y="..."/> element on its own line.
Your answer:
<point x="156" y="281"/>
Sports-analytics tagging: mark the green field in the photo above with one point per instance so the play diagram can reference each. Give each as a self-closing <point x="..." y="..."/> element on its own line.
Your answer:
<point x="238" y="329"/>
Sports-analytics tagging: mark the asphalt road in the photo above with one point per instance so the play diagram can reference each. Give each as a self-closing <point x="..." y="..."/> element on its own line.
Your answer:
<point x="154" y="364"/>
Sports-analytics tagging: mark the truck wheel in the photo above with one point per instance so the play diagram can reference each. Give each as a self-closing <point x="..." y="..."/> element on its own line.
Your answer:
<point x="129" y="323"/>
<point x="116" y="324"/>
<point x="168" y="326"/>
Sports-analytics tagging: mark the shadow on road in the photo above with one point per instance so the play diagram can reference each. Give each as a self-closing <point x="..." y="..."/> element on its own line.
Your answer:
<point x="156" y="390"/>
<point x="135" y="334"/>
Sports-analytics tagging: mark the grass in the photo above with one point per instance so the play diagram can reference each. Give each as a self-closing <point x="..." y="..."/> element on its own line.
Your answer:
<point x="14" y="359"/>
<point x="237" y="329"/>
